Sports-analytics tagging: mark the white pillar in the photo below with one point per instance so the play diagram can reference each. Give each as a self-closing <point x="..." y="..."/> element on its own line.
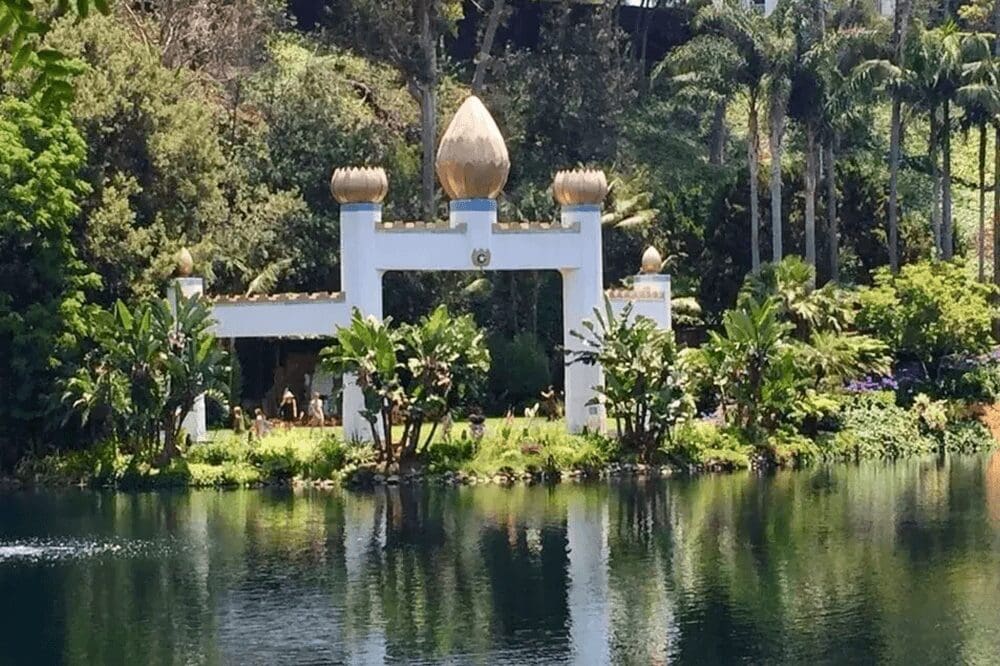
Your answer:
<point x="361" y="283"/>
<point x="194" y="424"/>
<point x="583" y="290"/>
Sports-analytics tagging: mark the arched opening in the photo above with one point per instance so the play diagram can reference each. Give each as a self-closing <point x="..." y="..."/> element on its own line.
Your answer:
<point x="522" y="312"/>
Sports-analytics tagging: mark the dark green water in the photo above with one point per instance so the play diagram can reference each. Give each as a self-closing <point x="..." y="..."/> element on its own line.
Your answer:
<point x="889" y="564"/>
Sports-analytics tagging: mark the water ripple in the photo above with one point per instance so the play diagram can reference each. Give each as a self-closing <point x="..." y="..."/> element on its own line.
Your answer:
<point x="43" y="550"/>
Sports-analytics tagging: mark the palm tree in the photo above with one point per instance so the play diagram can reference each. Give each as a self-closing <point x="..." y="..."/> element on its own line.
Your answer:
<point x="929" y="80"/>
<point x="809" y="25"/>
<point x="760" y="71"/>
<point x="901" y="20"/>
<point x="826" y="103"/>
<point x="980" y="98"/>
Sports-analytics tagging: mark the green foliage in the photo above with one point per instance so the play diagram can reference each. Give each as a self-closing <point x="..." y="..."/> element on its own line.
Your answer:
<point x="791" y="283"/>
<point x="276" y="460"/>
<point x="873" y="426"/>
<point x="25" y="26"/>
<point x="643" y="388"/>
<point x="420" y="371"/>
<point x="967" y="436"/>
<point x="707" y="445"/>
<point x="520" y="370"/>
<point x="928" y="311"/>
<point x="755" y="367"/>
<point x="146" y="370"/>
<point x="328" y="457"/>
<point x="42" y="281"/>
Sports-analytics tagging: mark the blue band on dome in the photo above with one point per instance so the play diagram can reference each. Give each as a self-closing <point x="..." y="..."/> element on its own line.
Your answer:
<point x="473" y="206"/>
<point x="360" y="207"/>
<point x="582" y="208"/>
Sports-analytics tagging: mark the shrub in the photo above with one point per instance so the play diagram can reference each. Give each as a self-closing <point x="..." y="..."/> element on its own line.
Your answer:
<point x="705" y="444"/>
<point x="276" y="460"/>
<point x="643" y="386"/>
<point x="226" y="474"/>
<point x="973" y="379"/>
<point x="967" y="436"/>
<point x="928" y="311"/>
<point x="328" y="456"/>
<point x="97" y="465"/>
<point x="873" y="426"/>
<point x="756" y="368"/>
<point x="218" y="451"/>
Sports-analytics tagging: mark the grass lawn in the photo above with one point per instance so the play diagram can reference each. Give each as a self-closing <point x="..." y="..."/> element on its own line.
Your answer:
<point x="494" y="425"/>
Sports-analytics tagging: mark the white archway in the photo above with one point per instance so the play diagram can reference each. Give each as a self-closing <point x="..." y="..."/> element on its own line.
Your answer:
<point x="472" y="166"/>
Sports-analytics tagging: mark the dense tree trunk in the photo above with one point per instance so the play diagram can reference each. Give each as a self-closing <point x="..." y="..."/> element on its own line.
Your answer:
<point x="428" y="107"/>
<point x="901" y="20"/>
<point x="486" y="46"/>
<point x="982" y="203"/>
<point x="717" y="137"/>
<point x="810" y="192"/>
<point x="753" y="160"/>
<point x="947" y="229"/>
<point x="996" y="179"/>
<point x="832" y="233"/>
<point x="776" y="140"/>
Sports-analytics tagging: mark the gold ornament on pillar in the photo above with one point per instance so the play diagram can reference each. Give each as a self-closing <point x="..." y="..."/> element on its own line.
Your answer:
<point x="359" y="185"/>
<point x="580" y="187"/>
<point x="652" y="262"/>
<point x="472" y="160"/>
<point x="184" y="263"/>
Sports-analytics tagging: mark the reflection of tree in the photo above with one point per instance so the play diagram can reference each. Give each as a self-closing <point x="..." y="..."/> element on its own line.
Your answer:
<point x="879" y="562"/>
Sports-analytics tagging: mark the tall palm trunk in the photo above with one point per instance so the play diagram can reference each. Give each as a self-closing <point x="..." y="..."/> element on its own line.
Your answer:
<point x="717" y="135"/>
<point x="982" y="202"/>
<point x="833" y="241"/>
<point x="776" y="139"/>
<point x="947" y="229"/>
<point x="753" y="160"/>
<point x="901" y="20"/>
<point x="996" y="179"/>
<point x="894" y="138"/>
<point x="935" y="181"/>
<point x="810" y="187"/>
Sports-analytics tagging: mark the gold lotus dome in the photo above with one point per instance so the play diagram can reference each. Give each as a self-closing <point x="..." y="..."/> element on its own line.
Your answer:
<point x="472" y="160"/>
<point x="652" y="262"/>
<point x="359" y="185"/>
<point x="580" y="186"/>
<point x="184" y="263"/>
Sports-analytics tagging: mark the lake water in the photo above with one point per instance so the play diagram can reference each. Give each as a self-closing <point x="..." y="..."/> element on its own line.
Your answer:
<point x="878" y="563"/>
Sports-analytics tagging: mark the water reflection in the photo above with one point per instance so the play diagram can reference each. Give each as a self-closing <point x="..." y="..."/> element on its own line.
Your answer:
<point x="891" y="563"/>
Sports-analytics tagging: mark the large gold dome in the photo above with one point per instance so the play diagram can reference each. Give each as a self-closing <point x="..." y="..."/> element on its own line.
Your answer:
<point x="472" y="160"/>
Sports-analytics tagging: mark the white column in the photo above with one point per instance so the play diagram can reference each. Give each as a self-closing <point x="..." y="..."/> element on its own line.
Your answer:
<point x="583" y="290"/>
<point x="194" y="424"/>
<point x="478" y="216"/>
<point x="658" y="310"/>
<point x="361" y="283"/>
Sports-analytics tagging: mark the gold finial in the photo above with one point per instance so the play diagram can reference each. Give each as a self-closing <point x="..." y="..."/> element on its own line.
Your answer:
<point x="359" y="185"/>
<point x="580" y="186"/>
<point x="652" y="262"/>
<point x="472" y="160"/>
<point x="185" y="263"/>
